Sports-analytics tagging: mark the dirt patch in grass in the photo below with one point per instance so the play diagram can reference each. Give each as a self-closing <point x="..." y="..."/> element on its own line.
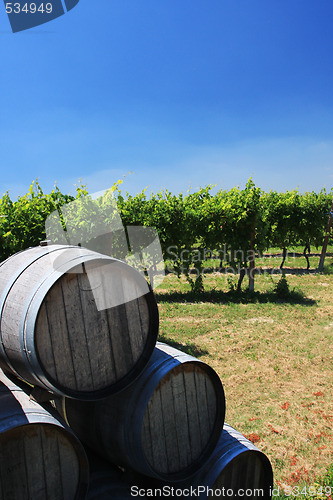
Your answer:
<point x="260" y="320"/>
<point x="190" y="319"/>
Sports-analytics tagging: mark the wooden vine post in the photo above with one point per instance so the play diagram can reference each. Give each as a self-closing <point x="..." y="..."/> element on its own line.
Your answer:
<point x="327" y="236"/>
<point x="252" y="259"/>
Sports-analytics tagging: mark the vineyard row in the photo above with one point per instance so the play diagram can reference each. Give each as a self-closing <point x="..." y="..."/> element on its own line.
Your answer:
<point x="246" y="220"/>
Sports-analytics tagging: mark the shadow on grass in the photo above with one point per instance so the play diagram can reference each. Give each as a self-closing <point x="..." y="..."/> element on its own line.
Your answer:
<point x="234" y="297"/>
<point x="188" y="348"/>
<point x="328" y="269"/>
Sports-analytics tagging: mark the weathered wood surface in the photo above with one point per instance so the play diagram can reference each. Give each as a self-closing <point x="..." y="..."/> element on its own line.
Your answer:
<point x="164" y="425"/>
<point x="39" y="457"/>
<point x="84" y="330"/>
<point x="179" y="419"/>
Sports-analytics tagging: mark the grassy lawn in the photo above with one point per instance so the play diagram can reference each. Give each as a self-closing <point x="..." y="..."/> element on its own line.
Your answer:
<point x="273" y="355"/>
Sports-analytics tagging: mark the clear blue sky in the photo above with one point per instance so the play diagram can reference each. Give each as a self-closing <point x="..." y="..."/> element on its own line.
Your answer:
<point x="182" y="93"/>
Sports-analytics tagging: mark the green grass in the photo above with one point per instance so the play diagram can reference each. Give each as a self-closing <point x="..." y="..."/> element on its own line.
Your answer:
<point x="274" y="355"/>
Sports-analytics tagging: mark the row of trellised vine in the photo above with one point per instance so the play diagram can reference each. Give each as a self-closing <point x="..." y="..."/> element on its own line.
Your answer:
<point x="232" y="224"/>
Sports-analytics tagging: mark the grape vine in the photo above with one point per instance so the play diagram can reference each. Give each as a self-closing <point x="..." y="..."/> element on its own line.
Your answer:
<point x="243" y="221"/>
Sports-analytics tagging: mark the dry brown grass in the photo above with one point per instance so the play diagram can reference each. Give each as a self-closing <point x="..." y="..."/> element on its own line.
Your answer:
<point x="275" y="360"/>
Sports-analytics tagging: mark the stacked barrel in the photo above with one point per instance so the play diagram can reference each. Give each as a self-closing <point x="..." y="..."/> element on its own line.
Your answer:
<point x="40" y="457"/>
<point x="165" y="425"/>
<point x="53" y="333"/>
<point x="82" y="327"/>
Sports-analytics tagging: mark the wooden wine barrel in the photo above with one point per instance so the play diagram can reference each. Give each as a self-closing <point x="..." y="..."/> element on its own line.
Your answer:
<point x="165" y="425"/>
<point x="40" y="458"/>
<point x="75" y="322"/>
<point x="236" y="464"/>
